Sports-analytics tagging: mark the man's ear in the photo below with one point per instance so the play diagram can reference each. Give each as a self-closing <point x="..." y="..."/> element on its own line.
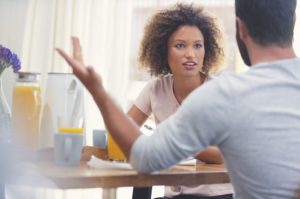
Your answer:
<point x="295" y="17"/>
<point x="242" y="29"/>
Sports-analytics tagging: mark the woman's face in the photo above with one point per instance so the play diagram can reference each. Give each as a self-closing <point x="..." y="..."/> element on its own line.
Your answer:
<point x="186" y="51"/>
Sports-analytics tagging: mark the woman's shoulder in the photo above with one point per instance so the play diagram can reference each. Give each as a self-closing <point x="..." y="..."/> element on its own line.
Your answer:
<point x="162" y="79"/>
<point x="162" y="82"/>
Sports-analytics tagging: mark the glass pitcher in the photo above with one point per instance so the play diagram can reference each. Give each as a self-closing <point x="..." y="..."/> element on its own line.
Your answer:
<point x="26" y="110"/>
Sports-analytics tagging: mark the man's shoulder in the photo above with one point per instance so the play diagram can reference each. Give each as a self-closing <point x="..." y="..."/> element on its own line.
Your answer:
<point x="224" y="79"/>
<point x="279" y="66"/>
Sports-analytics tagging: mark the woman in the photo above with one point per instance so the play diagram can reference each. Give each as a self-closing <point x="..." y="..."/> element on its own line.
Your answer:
<point x="181" y="48"/>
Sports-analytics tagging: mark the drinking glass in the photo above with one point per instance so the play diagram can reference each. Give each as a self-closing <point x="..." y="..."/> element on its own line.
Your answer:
<point x="114" y="151"/>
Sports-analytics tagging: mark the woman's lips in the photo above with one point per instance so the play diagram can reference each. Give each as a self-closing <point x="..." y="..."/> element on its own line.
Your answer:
<point x="189" y="65"/>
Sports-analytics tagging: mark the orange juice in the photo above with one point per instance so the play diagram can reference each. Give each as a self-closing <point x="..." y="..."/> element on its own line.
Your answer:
<point x="114" y="151"/>
<point x="70" y="124"/>
<point x="26" y="109"/>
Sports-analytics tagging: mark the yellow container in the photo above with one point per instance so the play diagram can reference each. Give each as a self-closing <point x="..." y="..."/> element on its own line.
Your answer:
<point x="26" y="109"/>
<point x="70" y="124"/>
<point x="70" y="130"/>
<point x="114" y="151"/>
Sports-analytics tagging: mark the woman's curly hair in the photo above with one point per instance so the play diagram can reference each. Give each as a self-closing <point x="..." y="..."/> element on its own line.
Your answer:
<point x="154" y="45"/>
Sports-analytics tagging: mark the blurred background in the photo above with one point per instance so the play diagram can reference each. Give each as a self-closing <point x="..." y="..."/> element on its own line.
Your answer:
<point x="110" y="32"/>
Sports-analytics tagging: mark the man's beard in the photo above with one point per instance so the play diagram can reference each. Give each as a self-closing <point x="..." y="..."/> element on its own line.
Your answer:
<point x="242" y="48"/>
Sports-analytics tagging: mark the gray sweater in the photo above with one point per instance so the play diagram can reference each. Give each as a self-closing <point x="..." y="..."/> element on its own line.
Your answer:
<point x="254" y="118"/>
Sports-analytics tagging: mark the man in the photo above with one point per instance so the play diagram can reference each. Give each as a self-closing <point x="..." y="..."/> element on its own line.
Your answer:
<point x="253" y="117"/>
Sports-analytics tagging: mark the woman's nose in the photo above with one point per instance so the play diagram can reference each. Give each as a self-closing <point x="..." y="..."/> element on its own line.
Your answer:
<point x="190" y="53"/>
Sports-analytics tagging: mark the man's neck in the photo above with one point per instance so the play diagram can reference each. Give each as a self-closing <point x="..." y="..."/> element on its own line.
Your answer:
<point x="260" y="54"/>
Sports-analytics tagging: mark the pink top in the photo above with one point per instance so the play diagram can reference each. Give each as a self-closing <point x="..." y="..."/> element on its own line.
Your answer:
<point x="158" y="98"/>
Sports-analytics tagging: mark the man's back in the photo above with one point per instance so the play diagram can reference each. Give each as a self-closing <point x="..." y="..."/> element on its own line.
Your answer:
<point x="263" y="146"/>
<point x="253" y="118"/>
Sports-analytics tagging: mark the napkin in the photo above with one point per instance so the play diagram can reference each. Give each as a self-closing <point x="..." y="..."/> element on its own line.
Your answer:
<point x="188" y="162"/>
<point x="95" y="162"/>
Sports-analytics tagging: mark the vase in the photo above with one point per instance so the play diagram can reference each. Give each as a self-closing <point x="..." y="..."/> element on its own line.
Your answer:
<point x="5" y="116"/>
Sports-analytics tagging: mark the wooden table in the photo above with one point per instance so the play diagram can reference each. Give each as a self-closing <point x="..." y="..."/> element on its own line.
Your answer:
<point x="82" y="176"/>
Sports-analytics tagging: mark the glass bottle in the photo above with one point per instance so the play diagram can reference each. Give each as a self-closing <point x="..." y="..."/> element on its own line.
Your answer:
<point x="26" y="110"/>
<point x="5" y="117"/>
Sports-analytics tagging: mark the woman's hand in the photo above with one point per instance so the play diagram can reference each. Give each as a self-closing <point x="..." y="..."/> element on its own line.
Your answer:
<point x="210" y="155"/>
<point x="89" y="151"/>
<point x="86" y="74"/>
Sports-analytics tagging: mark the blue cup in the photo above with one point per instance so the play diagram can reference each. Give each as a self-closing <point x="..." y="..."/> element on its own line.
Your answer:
<point x="100" y="138"/>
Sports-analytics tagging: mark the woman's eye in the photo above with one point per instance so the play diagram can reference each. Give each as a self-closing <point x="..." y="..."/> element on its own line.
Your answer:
<point x="198" y="45"/>
<point x="179" y="46"/>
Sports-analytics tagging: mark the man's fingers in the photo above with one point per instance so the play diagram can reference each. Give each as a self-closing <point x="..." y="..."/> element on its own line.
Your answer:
<point x="77" y="51"/>
<point x="66" y="57"/>
<point x="78" y="68"/>
<point x="74" y="64"/>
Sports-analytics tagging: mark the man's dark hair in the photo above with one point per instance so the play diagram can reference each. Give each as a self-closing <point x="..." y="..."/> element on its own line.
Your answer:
<point x="269" y="22"/>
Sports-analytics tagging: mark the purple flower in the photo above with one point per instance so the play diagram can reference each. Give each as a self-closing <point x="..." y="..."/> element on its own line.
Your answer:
<point x="8" y="58"/>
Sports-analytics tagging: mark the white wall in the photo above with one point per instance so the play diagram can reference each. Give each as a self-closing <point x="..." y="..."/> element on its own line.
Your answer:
<point x="12" y="24"/>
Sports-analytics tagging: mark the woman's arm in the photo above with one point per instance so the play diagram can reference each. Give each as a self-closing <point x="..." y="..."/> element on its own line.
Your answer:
<point x="211" y="155"/>
<point x="137" y="115"/>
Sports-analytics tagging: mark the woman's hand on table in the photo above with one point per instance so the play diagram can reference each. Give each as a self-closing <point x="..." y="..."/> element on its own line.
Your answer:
<point x="210" y="155"/>
<point x="88" y="151"/>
